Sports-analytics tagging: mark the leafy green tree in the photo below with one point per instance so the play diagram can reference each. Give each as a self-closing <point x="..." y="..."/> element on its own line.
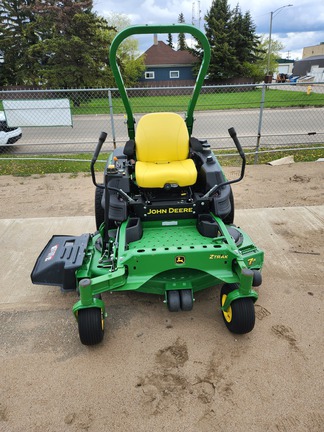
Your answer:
<point x="182" y="45"/>
<point x="61" y="44"/>
<point x="130" y="61"/>
<point x="259" y="68"/>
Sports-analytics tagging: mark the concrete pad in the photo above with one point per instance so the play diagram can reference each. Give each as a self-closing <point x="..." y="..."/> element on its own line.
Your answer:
<point x="285" y="234"/>
<point x="282" y="161"/>
<point x="288" y="236"/>
<point x="156" y="370"/>
<point x="21" y="241"/>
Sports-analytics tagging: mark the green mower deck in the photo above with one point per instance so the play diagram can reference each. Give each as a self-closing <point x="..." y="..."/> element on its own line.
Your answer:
<point x="171" y="255"/>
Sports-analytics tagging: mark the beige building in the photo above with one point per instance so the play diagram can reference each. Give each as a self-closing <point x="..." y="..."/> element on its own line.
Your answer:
<point x="315" y="50"/>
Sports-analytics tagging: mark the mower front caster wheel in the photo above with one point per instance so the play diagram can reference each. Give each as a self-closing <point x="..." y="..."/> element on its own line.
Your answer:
<point x="257" y="278"/>
<point x="181" y="299"/>
<point x="186" y="300"/>
<point x="91" y="326"/>
<point x="239" y="318"/>
<point x="173" y="300"/>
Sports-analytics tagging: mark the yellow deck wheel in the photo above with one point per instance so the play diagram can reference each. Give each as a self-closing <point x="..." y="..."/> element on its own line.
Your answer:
<point x="228" y="313"/>
<point x="239" y="318"/>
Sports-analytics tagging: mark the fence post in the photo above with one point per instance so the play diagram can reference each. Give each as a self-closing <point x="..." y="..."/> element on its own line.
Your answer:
<point x="112" y="118"/>
<point x="256" y="153"/>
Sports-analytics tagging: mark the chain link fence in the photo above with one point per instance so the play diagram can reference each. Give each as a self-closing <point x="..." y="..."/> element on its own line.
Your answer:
<point x="265" y="116"/>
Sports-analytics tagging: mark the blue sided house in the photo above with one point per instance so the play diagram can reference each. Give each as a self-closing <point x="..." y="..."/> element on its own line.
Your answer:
<point x="167" y="67"/>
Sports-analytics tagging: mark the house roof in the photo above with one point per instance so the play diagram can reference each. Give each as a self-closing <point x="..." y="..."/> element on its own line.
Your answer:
<point x="162" y="54"/>
<point x="315" y="57"/>
<point x="282" y="61"/>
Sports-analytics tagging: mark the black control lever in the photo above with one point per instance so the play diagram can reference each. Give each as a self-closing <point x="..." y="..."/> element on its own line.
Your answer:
<point x="102" y="139"/>
<point x="215" y="188"/>
<point x="233" y="135"/>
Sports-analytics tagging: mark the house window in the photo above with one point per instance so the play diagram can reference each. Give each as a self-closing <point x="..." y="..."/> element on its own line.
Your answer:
<point x="174" y="74"/>
<point x="149" y="75"/>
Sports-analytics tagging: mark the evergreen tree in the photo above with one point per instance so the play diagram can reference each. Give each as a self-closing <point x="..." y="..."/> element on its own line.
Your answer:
<point x="224" y="63"/>
<point x="244" y="40"/>
<point x="16" y="35"/>
<point x="235" y="47"/>
<point x="170" y="41"/>
<point x="237" y="37"/>
<point x="182" y="45"/>
<point x="252" y="41"/>
<point x="72" y="51"/>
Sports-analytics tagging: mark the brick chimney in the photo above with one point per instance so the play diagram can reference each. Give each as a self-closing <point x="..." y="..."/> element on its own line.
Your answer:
<point x="155" y="39"/>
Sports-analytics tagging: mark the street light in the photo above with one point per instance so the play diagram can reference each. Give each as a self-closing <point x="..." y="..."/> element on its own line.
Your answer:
<point x="272" y="14"/>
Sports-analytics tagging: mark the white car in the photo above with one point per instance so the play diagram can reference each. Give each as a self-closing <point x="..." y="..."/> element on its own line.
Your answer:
<point x="8" y="135"/>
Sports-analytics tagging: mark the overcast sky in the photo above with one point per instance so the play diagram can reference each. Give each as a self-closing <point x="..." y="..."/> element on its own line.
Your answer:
<point x="296" y="27"/>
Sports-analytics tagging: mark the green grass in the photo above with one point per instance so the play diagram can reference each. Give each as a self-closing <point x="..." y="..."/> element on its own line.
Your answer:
<point x="30" y="165"/>
<point x="217" y="100"/>
<point x="264" y="156"/>
<point x="11" y="165"/>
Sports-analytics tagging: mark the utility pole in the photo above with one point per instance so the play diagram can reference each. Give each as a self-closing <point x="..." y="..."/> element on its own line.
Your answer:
<point x="272" y="15"/>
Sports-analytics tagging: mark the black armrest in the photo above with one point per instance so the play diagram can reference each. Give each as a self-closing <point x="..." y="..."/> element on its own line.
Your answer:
<point x="195" y="144"/>
<point x="129" y="149"/>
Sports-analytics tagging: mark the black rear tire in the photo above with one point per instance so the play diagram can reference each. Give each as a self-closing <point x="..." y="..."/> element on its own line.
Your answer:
<point x="229" y="219"/>
<point x="239" y="318"/>
<point x="99" y="211"/>
<point x="91" y="326"/>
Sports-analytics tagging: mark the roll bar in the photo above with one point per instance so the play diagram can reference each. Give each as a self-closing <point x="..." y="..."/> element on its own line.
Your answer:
<point x="155" y="29"/>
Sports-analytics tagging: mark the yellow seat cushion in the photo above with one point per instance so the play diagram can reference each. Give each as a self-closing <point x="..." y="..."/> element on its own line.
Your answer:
<point x="162" y="151"/>
<point x="151" y="175"/>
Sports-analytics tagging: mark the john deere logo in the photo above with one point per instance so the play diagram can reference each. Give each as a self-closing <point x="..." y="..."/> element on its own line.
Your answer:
<point x="180" y="259"/>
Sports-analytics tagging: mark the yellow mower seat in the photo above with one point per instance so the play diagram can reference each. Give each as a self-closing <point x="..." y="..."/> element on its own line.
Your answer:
<point x="162" y="151"/>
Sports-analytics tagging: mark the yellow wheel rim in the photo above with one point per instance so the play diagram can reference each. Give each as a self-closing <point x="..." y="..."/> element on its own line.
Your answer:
<point x="227" y="313"/>
<point x="102" y="321"/>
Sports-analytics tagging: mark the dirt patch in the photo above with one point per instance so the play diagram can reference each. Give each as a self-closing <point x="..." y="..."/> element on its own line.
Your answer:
<point x="66" y="195"/>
